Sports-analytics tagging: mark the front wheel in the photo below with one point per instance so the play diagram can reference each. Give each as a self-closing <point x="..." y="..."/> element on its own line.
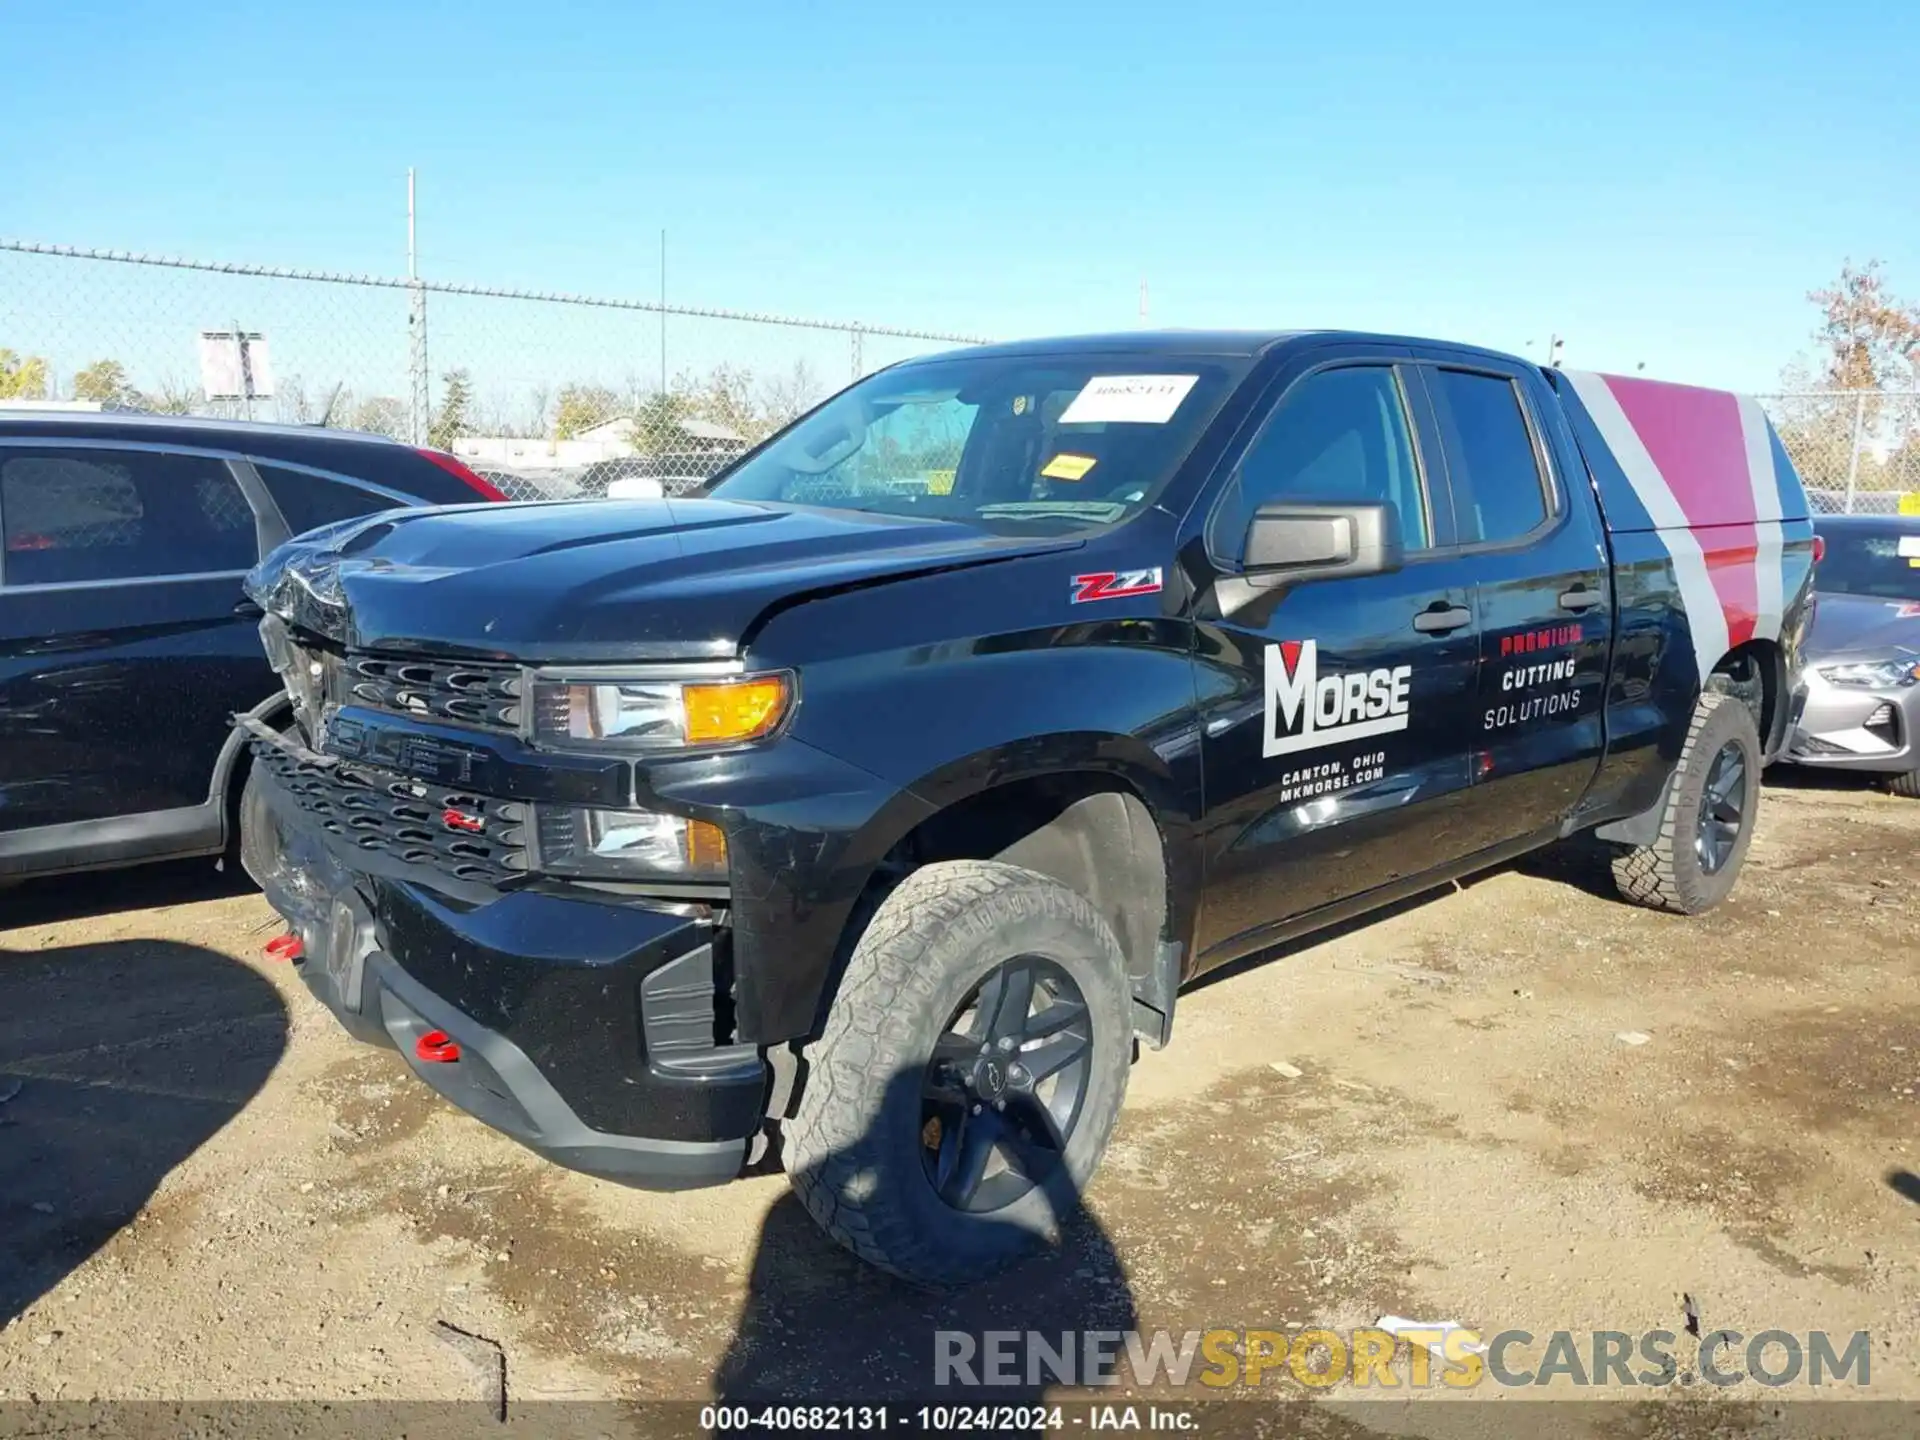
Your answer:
<point x="1708" y="821"/>
<point x="1907" y="784"/>
<point x="969" y="1074"/>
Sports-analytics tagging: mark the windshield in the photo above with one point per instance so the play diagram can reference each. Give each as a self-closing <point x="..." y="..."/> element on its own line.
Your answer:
<point x="1007" y="442"/>
<point x="1880" y="564"/>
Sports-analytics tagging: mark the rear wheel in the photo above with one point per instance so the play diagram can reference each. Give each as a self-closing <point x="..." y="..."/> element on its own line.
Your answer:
<point x="969" y="1074"/>
<point x="1907" y="784"/>
<point x="1708" y="821"/>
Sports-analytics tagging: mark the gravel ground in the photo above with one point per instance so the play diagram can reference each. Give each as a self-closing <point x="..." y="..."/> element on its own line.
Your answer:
<point x="1517" y="1105"/>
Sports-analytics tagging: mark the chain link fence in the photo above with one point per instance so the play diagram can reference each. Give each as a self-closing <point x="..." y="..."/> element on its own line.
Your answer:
<point x="557" y="396"/>
<point x="1857" y="451"/>
<point x="547" y="395"/>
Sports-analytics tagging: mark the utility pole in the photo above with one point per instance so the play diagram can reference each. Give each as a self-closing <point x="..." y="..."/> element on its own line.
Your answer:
<point x="1143" y="300"/>
<point x="419" y="400"/>
<point x="1853" y="454"/>
<point x="663" y="316"/>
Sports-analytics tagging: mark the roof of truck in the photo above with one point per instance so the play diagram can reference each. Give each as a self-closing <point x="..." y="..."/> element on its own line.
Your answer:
<point x="1232" y="343"/>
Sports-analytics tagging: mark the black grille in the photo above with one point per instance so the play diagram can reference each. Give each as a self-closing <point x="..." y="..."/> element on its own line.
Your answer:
<point x="485" y="696"/>
<point x="450" y="832"/>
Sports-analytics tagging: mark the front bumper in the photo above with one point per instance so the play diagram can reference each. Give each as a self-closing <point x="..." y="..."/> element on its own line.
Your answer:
<point x="588" y="1025"/>
<point x="1867" y="730"/>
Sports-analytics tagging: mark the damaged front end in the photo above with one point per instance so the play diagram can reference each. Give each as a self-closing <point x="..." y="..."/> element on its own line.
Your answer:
<point x="392" y="825"/>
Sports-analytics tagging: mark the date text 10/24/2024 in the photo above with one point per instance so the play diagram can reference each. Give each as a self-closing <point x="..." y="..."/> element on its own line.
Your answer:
<point x="946" y="1419"/>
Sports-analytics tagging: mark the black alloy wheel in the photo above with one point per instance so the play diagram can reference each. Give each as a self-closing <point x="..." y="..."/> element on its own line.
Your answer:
<point x="1004" y="1089"/>
<point x="1722" y="809"/>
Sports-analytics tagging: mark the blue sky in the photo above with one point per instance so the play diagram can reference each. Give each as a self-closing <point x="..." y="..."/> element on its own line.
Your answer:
<point x="1656" y="182"/>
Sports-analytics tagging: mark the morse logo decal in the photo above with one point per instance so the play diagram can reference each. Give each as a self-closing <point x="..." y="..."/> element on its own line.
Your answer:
<point x="1306" y="709"/>
<point x="1115" y="584"/>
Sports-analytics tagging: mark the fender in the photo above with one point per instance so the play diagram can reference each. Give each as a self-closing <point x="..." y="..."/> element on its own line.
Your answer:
<point x="1090" y="761"/>
<point x="810" y="853"/>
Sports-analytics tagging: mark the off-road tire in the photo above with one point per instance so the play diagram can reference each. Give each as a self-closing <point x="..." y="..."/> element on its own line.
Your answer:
<point x="253" y="822"/>
<point x="1907" y="785"/>
<point x="1667" y="875"/>
<point x="853" y="1147"/>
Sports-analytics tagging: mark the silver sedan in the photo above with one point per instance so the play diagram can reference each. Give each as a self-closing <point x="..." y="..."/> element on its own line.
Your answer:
<point x="1863" y="656"/>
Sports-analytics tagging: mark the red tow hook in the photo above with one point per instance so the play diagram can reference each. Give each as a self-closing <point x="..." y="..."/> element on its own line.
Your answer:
<point x="285" y="947"/>
<point x="436" y="1047"/>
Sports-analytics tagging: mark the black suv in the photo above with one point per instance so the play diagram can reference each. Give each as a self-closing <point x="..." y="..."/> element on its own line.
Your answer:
<point x="126" y="645"/>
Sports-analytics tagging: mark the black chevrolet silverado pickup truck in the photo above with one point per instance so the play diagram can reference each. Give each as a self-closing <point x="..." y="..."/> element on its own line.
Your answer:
<point x="866" y="812"/>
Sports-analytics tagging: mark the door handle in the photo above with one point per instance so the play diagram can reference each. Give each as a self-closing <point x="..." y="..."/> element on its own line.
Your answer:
<point x="1440" y="617"/>
<point x="1581" y="598"/>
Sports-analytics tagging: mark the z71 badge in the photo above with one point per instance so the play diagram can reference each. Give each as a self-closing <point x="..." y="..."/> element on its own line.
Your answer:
<point x="1115" y="584"/>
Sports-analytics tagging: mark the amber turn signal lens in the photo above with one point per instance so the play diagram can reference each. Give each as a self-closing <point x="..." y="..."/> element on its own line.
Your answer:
<point x="706" y="847"/>
<point x="734" y="710"/>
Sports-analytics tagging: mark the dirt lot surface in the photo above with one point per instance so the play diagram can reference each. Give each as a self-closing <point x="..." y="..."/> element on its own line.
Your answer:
<point x="207" y="1190"/>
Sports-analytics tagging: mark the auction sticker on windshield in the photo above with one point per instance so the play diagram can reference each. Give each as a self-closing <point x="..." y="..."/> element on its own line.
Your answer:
<point x="1128" y="399"/>
<point x="1067" y="467"/>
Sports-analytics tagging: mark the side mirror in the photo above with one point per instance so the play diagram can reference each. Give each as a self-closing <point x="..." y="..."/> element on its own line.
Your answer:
<point x="1288" y="543"/>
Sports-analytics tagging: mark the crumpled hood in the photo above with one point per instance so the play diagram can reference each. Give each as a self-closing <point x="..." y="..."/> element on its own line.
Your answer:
<point x="1854" y="627"/>
<point x="595" y="580"/>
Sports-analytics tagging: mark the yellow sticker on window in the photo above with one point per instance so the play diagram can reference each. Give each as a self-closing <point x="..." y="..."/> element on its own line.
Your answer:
<point x="1910" y="503"/>
<point x="1068" y="467"/>
<point x="940" y="482"/>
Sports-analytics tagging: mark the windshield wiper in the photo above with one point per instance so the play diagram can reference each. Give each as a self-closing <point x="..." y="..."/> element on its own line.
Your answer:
<point x="1105" y="510"/>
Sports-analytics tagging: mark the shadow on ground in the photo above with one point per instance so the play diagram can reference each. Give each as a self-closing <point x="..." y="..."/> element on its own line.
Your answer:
<point x="1584" y="863"/>
<point x="1815" y="778"/>
<point x="117" y="1061"/>
<point x="140" y="887"/>
<point x="820" y="1325"/>
<point x="1287" y="949"/>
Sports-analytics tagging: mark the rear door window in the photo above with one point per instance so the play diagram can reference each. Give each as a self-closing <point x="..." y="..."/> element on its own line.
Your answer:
<point x="79" y="515"/>
<point x="308" y="501"/>
<point x="1499" y="493"/>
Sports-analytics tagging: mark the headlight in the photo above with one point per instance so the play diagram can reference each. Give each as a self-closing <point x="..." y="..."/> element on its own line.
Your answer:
<point x="1872" y="674"/>
<point x="647" y="714"/>
<point x="302" y="671"/>
<point x="627" y="844"/>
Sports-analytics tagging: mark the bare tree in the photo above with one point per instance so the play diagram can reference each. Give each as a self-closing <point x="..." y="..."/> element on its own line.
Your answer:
<point x="539" y="403"/>
<point x="787" y="396"/>
<point x="174" y="396"/>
